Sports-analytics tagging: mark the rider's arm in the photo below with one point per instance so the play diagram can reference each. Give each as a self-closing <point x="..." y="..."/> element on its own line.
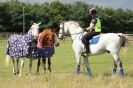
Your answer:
<point x="91" y="27"/>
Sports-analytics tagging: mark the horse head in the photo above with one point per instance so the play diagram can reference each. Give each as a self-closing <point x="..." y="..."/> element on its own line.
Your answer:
<point x="35" y="30"/>
<point x="53" y="38"/>
<point x="71" y="27"/>
<point x="48" y="35"/>
<point x="62" y="30"/>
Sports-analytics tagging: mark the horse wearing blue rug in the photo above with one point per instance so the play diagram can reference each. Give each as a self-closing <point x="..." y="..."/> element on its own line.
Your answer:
<point x="45" y="48"/>
<point x="18" y="47"/>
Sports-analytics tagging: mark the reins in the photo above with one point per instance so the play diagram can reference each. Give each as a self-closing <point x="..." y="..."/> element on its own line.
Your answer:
<point x="73" y="33"/>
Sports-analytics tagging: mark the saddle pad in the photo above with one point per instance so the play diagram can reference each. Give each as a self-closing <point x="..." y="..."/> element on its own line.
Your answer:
<point x="94" y="40"/>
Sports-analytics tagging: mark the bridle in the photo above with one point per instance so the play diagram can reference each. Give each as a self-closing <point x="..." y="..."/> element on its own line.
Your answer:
<point x="62" y="28"/>
<point x="63" y="33"/>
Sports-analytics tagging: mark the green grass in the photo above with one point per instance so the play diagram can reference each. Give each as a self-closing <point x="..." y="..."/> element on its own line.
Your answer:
<point x="63" y="71"/>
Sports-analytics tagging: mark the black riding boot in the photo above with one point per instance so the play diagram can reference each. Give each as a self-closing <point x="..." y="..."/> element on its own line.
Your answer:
<point x="87" y="49"/>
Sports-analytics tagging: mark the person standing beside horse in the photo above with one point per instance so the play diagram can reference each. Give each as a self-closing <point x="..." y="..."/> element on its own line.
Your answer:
<point x="94" y="29"/>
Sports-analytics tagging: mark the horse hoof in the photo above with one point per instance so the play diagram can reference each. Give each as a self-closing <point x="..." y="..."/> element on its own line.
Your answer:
<point x="15" y="73"/>
<point x="49" y="71"/>
<point x="20" y="75"/>
<point x="78" y="71"/>
<point x="114" y="72"/>
<point x="89" y="72"/>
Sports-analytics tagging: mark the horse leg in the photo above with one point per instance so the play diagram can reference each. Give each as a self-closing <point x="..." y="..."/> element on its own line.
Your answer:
<point x="38" y="64"/>
<point x="78" y="62"/>
<point x="119" y="64"/>
<point x="14" y="67"/>
<point x="87" y="66"/>
<point x="17" y="64"/>
<point x="49" y="64"/>
<point x="115" y="68"/>
<point x="44" y="63"/>
<point x="21" y="66"/>
<point x="30" y="65"/>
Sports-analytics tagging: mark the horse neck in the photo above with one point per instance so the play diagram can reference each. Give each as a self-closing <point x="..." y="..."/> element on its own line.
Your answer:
<point x="28" y="37"/>
<point x="44" y="37"/>
<point x="76" y="32"/>
<point x="47" y="40"/>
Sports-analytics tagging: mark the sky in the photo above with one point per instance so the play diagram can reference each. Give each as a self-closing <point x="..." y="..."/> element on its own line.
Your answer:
<point x="124" y="4"/>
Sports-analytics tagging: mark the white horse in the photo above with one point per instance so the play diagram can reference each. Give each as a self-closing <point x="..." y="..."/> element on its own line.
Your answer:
<point x="109" y="42"/>
<point x="18" y="47"/>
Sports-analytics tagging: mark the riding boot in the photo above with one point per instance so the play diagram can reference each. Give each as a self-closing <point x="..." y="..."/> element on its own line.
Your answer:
<point x="87" y="49"/>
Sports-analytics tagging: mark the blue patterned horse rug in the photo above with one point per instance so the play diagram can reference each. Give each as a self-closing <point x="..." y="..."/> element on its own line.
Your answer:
<point x="18" y="45"/>
<point x="33" y="50"/>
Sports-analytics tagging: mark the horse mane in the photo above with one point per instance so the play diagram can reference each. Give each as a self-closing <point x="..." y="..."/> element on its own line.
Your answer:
<point x="74" y="23"/>
<point x="46" y="35"/>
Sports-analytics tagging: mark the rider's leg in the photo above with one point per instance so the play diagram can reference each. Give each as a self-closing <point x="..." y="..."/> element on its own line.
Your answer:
<point x="85" y="41"/>
<point x="88" y="37"/>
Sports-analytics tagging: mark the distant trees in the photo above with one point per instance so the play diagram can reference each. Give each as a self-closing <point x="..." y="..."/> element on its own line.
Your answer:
<point x="51" y="14"/>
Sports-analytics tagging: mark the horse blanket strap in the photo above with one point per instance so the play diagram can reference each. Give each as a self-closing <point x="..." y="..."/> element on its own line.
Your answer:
<point x="45" y="52"/>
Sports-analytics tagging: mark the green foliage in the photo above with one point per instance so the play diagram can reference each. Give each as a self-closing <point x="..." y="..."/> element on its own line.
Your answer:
<point x="51" y="14"/>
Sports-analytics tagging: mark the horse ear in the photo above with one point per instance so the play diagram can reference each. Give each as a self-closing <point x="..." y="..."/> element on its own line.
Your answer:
<point x="39" y="23"/>
<point x="32" y="22"/>
<point x="53" y="30"/>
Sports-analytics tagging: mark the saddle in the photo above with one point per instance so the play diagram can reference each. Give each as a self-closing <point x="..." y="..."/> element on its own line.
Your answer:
<point x="94" y="40"/>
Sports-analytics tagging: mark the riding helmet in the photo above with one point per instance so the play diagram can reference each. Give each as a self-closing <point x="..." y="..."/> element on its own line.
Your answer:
<point x="92" y="11"/>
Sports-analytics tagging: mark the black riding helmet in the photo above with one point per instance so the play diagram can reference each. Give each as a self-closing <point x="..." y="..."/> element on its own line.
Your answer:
<point x="92" y="11"/>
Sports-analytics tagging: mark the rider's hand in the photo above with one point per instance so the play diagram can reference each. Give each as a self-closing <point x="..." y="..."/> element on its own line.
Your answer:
<point x="87" y="29"/>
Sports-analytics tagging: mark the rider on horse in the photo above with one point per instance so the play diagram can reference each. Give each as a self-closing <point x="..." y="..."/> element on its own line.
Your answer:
<point x="94" y="29"/>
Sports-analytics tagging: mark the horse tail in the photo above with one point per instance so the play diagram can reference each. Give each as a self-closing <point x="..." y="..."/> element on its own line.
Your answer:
<point x="7" y="60"/>
<point x="125" y="41"/>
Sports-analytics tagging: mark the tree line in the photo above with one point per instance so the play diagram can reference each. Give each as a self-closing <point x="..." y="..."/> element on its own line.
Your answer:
<point x="51" y="14"/>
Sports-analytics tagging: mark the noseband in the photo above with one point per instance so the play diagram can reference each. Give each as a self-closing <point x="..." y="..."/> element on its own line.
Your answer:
<point x="62" y="28"/>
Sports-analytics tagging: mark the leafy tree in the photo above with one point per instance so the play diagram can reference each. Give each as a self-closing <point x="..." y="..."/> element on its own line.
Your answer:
<point x="51" y="14"/>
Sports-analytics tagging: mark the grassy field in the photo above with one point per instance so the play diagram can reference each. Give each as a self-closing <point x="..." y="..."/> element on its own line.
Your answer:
<point x="63" y="71"/>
